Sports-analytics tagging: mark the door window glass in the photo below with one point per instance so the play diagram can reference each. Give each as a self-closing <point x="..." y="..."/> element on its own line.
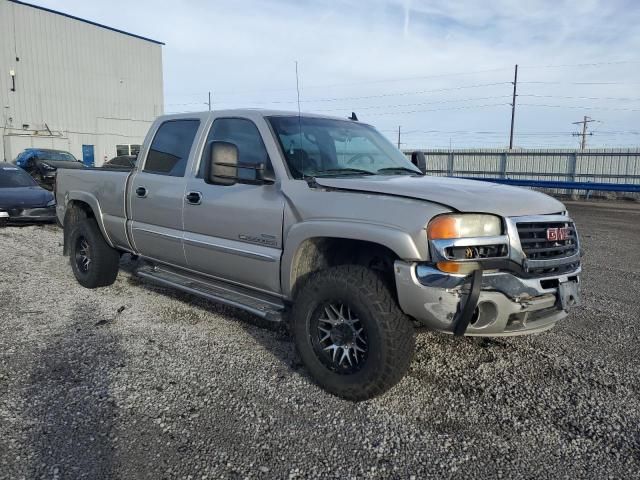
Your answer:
<point x="170" y="148"/>
<point x="243" y="134"/>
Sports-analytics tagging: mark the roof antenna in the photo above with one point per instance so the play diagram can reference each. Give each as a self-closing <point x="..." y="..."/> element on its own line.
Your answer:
<point x="299" y="123"/>
<point x="353" y="117"/>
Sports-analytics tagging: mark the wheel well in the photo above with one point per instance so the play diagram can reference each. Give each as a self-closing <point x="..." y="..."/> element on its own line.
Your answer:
<point x="319" y="253"/>
<point x="75" y="212"/>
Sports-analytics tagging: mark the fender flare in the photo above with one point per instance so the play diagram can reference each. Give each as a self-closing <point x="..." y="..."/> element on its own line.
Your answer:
<point x="398" y="241"/>
<point x="94" y="205"/>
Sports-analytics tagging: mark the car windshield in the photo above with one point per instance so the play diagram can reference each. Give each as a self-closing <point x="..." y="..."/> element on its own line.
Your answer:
<point x="326" y="147"/>
<point x="12" y="177"/>
<point x="56" y="156"/>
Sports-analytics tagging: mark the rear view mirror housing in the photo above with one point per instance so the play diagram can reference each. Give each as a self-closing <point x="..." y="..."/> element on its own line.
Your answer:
<point x="223" y="168"/>
<point x="419" y="160"/>
<point x="222" y="165"/>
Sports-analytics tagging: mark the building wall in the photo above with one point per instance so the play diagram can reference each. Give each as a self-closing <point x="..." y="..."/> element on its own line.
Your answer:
<point x="87" y="84"/>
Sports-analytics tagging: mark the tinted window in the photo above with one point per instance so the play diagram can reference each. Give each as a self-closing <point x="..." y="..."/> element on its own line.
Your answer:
<point x="170" y="148"/>
<point x="122" y="150"/>
<point x="11" y="177"/>
<point x="244" y="135"/>
<point x="55" y="155"/>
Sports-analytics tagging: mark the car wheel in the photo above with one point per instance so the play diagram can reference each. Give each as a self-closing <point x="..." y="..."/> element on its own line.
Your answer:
<point x="93" y="261"/>
<point x="350" y="333"/>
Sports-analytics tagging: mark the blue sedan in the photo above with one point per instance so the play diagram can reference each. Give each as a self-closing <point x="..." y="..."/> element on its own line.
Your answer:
<point x="22" y="199"/>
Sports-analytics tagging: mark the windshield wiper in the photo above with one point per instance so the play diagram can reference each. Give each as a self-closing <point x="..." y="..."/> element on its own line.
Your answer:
<point x="343" y="171"/>
<point x="399" y="169"/>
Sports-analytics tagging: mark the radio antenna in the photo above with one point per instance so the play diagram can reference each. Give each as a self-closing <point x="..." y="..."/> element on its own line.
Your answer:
<point x="298" y="88"/>
<point x="299" y="123"/>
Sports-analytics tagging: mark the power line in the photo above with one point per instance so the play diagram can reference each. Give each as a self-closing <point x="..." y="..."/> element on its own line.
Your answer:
<point x="365" y="97"/>
<point x="543" y="82"/>
<point x="626" y="99"/>
<point x="441" y="109"/>
<point x="377" y="107"/>
<point x="580" y="107"/>
<point x="582" y="64"/>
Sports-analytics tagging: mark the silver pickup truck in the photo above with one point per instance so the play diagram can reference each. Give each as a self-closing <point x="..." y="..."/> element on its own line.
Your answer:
<point x="322" y="222"/>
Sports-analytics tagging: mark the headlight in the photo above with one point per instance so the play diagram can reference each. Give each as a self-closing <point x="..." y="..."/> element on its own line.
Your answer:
<point x="46" y="166"/>
<point x="51" y="203"/>
<point x="464" y="226"/>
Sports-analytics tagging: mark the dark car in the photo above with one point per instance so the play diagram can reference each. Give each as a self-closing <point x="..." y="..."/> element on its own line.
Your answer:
<point x="42" y="163"/>
<point x="22" y="199"/>
<point x="126" y="162"/>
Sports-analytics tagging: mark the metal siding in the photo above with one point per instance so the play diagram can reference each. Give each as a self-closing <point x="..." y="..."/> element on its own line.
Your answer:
<point x="69" y="77"/>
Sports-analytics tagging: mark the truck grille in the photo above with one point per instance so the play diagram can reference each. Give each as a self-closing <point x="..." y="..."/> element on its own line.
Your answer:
<point x="533" y="238"/>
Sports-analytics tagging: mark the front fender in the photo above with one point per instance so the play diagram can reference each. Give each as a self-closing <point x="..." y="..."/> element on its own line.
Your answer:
<point x="400" y="242"/>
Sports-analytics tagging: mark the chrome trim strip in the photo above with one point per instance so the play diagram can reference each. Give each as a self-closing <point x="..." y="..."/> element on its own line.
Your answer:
<point x="156" y="233"/>
<point x="440" y="245"/>
<point x="214" y="277"/>
<point x="555" y="262"/>
<point x="231" y="250"/>
<point x="541" y="219"/>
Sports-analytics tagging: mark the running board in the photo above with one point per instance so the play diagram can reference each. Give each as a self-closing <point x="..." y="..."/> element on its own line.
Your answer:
<point x="265" y="306"/>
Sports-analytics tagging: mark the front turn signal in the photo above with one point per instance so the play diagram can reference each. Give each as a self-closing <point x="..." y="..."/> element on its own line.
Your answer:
<point x="461" y="268"/>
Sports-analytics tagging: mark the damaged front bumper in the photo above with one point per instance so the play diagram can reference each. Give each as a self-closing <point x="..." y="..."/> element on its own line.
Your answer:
<point x="22" y="215"/>
<point x="504" y="305"/>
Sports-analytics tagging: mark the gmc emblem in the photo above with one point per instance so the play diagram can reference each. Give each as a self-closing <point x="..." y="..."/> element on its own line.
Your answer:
<point x="558" y="234"/>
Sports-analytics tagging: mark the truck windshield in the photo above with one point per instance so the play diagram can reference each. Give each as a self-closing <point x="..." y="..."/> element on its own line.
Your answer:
<point x="326" y="147"/>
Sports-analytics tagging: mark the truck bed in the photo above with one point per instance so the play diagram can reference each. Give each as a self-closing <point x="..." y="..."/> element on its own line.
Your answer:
<point x="104" y="190"/>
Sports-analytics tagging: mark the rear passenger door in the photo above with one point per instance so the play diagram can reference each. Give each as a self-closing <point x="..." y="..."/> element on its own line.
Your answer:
<point x="156" y="192"/>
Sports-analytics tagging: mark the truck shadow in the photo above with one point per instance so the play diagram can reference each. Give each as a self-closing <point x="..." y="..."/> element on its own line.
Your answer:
<point x="274" y="337"/>
<point x="72" y="412"/>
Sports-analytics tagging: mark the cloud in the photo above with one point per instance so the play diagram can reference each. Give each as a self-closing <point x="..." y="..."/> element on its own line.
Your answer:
<point x="244" y="51"/>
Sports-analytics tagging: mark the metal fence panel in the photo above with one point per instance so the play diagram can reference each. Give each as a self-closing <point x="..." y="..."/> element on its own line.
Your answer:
<point x="606" y="165"/>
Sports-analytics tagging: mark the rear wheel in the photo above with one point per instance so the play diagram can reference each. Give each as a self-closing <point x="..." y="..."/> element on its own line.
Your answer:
<point x="350" y="333"/>
<point x="93" y="261"/>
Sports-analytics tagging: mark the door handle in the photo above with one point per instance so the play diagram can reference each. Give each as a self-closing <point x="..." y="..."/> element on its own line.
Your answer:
<point x="194" y="198"/>
<point x="141" y="192"/>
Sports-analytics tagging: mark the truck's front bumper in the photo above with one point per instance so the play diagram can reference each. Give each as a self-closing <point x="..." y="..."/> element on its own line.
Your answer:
<point x="507" y="305"/>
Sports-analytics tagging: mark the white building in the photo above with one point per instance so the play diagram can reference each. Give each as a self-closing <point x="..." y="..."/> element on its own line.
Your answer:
<point x="72" y="84"/>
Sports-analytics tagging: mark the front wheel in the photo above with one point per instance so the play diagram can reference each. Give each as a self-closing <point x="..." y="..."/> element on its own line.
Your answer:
<point x="93" y="261"/>
<point x="350" y="333"/>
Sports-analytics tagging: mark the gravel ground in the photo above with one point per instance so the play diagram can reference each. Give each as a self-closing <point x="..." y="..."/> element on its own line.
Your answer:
<point x="133" y="381"/>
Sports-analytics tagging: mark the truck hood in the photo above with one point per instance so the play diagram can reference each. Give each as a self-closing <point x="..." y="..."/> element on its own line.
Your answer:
<point x="456" y="193"/>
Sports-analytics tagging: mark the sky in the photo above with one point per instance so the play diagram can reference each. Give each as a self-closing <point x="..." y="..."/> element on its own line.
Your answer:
<point x="440" y="71"/>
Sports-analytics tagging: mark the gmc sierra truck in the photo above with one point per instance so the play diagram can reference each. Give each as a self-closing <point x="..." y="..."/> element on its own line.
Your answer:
<point x="321" y="222"/>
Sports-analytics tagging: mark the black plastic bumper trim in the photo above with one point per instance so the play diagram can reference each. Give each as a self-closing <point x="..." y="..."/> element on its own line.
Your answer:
<point x="464" y="317"/>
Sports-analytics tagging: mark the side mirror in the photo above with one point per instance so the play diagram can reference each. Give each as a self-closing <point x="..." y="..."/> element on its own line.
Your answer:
<point x="419" y="160"/>
<point x="223" y="168"/>
<point x="222" y="165"/>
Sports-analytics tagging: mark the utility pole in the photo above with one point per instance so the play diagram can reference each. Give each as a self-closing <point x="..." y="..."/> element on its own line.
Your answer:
<point x="513" y="105"/>
<point x="209" y="101"/>
<point x="398" y="137"/>
<point x="584" y="122"/>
